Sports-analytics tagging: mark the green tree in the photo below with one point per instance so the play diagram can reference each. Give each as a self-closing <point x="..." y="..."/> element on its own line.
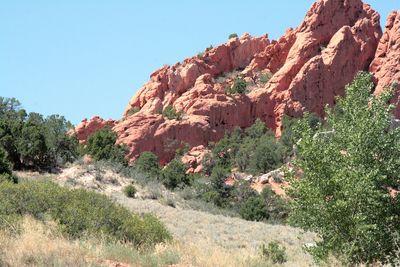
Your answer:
<point x="254" y="209"/>
<point x="174" y="175"/>
<point x="268" y="155"/>
<point x="62" y="148"/>
<point x="345" y="171"/>
<point x="102" y="146"/>
<point x="147" y="163"/>
<point x="5" y="167"/>
<point x="32" y="145"/>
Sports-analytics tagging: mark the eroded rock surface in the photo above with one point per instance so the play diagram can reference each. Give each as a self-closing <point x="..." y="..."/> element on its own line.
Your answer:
<point x="309" y="66"/>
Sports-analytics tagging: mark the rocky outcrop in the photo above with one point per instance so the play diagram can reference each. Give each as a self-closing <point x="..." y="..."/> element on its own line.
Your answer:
<point x="194" y="158"/>
<point x="86" y="128"/>
<point x="386" y="65"/>
<point x="309" y="66"/>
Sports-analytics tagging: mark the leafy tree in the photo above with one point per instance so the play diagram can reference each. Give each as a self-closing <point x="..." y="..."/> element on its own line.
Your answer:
<point x="32" y="141"/>
<point x="32" y="145"/>
<point x="5" y="167"/>
<point x="62" y="147"/>
<point x="147" y="163"/>
<point x="345" y="172"/>
<point x="174" y="175"/>
<point x="102" y="146"/>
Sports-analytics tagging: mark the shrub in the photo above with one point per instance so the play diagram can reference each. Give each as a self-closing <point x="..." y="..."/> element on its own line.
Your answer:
<point x="147" y="163"/>
<point x="239" y="87"/>
<point x="268" y="155"/>
<point x="209" y="48"/>
<point x="174" y="175"/>
<point x="265" y="77"/>
<point x="233" y="35"/>
<point x="254" y="209"/>
<point x="347" y="168"/>
<point x="130" y="191"/>
<point x="79" y="212"/>
<point x="132" y="111"/>
<point x="276" y="207"/>
<point x="102" y="146"/>
<point x="274" y="252"/>
<point x="171" y="114"/>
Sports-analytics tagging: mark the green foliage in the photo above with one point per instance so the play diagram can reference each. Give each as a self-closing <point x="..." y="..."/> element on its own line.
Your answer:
<point x="102" y="146"/>
<point x="265" y="77"/>
<point x="147" y="163"/>
<point x="239" y="87"/>
<point x="5" y="168"/>
<point x="254" y="209"/>
<point x="233" y="35"/>
<point x="132" y="111"/>
<point x="170" y="113"/>
<point x="78" y="212"/>
<point x="254" y="150"/>
<point x="274" y="252"/>
<point x="347" y="168"/>
<point x="209" y="48"/>
<point x="130" y="191"/>
<point x="268" y="154"/>
<point x="32" y="141"/>
<point x="174" y="175"/>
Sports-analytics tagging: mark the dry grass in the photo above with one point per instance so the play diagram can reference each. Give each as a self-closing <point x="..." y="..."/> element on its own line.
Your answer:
<point x="201" y="239"/>
<point x="216" y="240"/>
<point x="40" y="245"/>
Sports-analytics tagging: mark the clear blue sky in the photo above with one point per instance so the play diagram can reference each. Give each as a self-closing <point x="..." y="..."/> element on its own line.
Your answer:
<point x="81" y="58"/>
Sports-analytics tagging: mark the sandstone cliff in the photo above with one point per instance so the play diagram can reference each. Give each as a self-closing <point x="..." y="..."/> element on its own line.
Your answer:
<point x="309" y="66"/>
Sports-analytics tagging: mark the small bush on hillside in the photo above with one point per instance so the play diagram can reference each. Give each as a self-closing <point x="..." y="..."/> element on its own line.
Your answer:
<point x="130" y="191"/>
<point x="133" y="110"/>
<point x="239" y="87"/>
<point x="268" y="155"/>
<point x="265" y="77"/>
<point x="171" y="114"/>
<point x="254" y="209"/>
<point x="78" y="212"/>
<point x="209" y="48"/>
<point x="102" y="146"/>
<point x="276" y="207"/>
<point x="274" y="252"/>
<point x="174" y="175"/>
<point x="147" y="163"/>
<point x="233" y="35"/>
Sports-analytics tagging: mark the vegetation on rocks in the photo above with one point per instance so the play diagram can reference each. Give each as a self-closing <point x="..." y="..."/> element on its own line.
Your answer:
<point x="170" y="113"/>
<point x="102" y="146"/>
<point x="239" y="87"/>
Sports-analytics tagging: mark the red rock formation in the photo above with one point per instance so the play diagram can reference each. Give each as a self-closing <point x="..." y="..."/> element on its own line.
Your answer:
<point x="310" y="64"/>
<point x="194" y="159"/>
<point x="386" y="65"/>
<point x="86" y="128"/>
